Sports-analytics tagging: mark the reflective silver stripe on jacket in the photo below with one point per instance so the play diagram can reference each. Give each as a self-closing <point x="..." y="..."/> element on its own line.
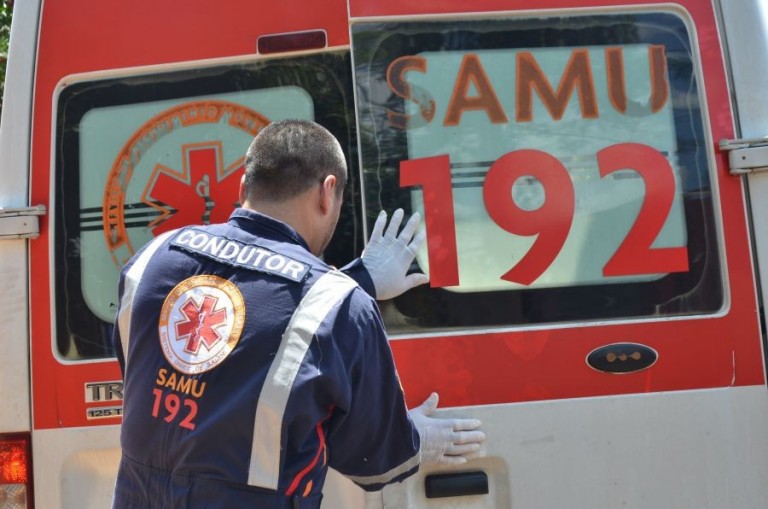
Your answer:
<point x="327" y="292"/>
<point x="131" y="283"/>
<point x="386" y="477"/>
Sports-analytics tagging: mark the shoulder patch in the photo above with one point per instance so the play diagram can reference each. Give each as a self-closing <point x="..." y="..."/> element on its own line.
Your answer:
<point x="240" y="254"/>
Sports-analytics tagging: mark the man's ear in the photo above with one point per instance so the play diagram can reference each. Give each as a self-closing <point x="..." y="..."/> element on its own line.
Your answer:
<point x="241" y="192"/>
<point x="327" y="193"/>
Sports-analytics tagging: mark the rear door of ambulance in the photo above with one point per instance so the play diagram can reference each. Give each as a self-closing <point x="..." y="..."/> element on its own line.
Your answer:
<point x="142" y="113"/>
<point x="592" y="294"/>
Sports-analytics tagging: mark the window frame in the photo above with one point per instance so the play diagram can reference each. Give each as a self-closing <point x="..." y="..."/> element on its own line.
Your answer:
<point x="407" y="318"/>
<point x="73" y="321"/>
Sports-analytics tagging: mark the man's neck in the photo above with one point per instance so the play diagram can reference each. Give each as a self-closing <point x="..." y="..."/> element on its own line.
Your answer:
<point x="295" y="212"/>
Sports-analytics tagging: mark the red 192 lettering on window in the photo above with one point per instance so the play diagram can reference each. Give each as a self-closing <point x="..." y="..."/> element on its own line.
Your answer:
<point x="433" y="174"/>
<point x="551" y="222"/>
<point x="635" y="255"/>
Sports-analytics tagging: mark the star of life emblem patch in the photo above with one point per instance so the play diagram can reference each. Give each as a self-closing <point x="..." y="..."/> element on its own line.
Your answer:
<point x="200" y="323"/>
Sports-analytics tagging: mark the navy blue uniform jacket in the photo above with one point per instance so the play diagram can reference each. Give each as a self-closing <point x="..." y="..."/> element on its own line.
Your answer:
<point x="250" y="367"/>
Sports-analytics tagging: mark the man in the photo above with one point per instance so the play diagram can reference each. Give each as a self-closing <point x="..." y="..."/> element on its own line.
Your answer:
<point x="251" y="366"/>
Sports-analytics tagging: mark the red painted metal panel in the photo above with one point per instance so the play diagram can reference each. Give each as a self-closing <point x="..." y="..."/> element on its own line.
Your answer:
<point x="469" y="369"/>
<point x="694" y="353"/>
<point x="78" y="36"/>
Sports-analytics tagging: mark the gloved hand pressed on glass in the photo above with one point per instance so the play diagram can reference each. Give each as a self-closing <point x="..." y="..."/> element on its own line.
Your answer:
<point x="388" y="256"/>
<point x="445" y="441"/>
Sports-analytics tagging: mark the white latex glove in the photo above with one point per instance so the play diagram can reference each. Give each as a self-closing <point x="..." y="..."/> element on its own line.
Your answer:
<point x="388" y="256"/>
<point x="445" y="441"/>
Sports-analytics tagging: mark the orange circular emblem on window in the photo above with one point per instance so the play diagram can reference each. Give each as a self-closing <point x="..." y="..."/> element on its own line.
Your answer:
<point x="201" y="323"/>
<point x="202" y="189"/>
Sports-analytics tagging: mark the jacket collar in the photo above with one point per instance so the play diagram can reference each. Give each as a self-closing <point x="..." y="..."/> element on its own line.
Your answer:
<point x="261" y="225"/>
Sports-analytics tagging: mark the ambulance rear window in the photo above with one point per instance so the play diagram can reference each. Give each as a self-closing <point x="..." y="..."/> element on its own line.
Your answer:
<point x="141" y="155"/>
<point x="561" y="164"/>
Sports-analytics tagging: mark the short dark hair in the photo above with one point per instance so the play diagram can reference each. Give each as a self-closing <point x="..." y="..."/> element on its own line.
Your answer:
<point x="288" y="157"/>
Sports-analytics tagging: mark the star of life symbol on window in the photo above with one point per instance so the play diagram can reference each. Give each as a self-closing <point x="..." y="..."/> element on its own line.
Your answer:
<point x="198" y="184"/>
<point x="200" y="323"/>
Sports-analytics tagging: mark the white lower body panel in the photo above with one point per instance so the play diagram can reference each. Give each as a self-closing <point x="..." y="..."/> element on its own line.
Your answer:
<point x="684" y="450"/>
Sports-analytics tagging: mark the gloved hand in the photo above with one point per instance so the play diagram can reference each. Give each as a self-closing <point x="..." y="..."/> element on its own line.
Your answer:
<point x="387" y="256"/>
<point x="445" y="441"/>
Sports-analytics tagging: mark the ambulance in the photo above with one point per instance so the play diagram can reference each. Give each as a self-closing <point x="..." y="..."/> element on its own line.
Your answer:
<point x="592" y="177"/>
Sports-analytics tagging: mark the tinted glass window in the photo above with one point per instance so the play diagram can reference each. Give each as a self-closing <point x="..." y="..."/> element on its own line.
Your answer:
<point x="561" y="165"/>
<point x="140" y="155"/>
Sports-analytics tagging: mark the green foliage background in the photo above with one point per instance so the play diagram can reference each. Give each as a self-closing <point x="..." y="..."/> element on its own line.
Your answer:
<point x="6" y="10"/>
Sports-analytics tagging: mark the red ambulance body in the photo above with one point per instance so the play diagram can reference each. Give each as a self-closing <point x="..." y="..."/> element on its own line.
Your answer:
<point x="589" y="173"/>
